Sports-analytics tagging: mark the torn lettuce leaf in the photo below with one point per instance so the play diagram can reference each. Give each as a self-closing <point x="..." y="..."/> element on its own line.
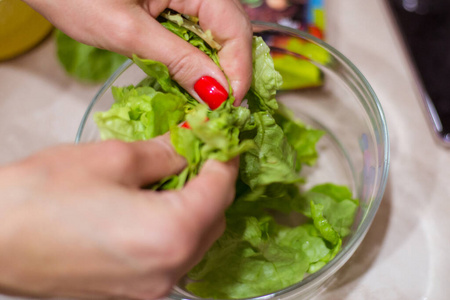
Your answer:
<point x="140" y="114"/>
<point x="249" y="259"/>
<point x="337" y="206"/>
<point x="266" y="80"/>
<point x="86" y="63"/>
<point x="191" y="25"/>
<point x="302" y="138"/>
<point x="273" y="158"/>
<point x="256" y="255"/>
<point x="193" y="39"/>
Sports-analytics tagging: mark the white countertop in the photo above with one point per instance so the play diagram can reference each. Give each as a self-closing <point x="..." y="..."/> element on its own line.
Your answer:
<point x="406" y="253"/>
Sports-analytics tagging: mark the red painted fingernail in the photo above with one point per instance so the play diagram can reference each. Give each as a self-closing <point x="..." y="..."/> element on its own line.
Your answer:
<point x="211" y="91"/>
<point x="185" y="125"/>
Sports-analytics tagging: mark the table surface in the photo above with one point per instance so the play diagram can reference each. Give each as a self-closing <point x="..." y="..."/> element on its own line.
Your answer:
<point x="404" y="255"/>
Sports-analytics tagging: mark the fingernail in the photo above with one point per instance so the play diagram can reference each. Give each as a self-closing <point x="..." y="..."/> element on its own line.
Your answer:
<point x="185" y="125"/>
<point x="210" y="91"/>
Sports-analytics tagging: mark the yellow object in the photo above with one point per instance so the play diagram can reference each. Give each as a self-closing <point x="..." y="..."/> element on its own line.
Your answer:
<point x="21" y="28"/>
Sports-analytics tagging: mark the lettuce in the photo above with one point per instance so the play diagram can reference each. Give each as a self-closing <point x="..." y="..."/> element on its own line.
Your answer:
<point x="140" y="113"/>
<point x="86" y="63"/>
<point x="266" y="80"/>
<point x="256" y="255"/>
<point x="245" y="262"/>
<point x="273" y="158"/>
<point x="302" y="138"/>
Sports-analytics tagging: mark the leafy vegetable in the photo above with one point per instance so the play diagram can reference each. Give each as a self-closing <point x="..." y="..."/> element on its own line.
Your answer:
<point x="256" y="255"/>
<point x="191" y="25"/>
<point x="273" y="158"/>
<point x="297" y="73"/>
<point x="266" y="80"/>
<point x="140" y="114"/>
<point x="302" y="138"/>
<point x="86" y="63"/>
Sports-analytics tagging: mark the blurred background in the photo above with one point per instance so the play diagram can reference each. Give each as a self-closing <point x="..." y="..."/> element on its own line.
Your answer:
<point x="400" y="46"/>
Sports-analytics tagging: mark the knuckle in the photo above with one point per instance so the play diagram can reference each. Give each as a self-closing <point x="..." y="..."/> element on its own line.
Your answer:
<point x="32" y="163"/>
<point x="48" y="161"/>
<point x="125" y="31"/>
<point x="167" y="151"/>
<point x="183" y="67"/>
<point x="120" y="155"/>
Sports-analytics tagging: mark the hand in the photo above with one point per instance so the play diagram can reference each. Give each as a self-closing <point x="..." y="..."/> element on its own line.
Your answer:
<point x="75" y="222"/>
<point x="128" y="27"/>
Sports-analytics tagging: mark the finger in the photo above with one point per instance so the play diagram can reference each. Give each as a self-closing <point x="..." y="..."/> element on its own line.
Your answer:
<point x="135" y="164"/>
<point x="143" y="36"/>
<point x="231" y="28"/>
<point x="129" y="28"/>
<point x="200" y="206"/>
<point x="211" y="235"/>
<point x="206" y="240"/>
<point x="206" y="197"/>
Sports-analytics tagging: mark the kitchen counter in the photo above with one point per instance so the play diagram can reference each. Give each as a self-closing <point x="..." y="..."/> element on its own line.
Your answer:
<point x="405" y="254"/>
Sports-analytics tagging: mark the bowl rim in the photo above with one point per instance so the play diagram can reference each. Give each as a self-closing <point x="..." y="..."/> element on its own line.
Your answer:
<point x="353" y="243"/>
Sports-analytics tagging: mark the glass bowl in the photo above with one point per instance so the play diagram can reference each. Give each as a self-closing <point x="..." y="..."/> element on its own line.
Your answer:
<point x="326" y="91"/>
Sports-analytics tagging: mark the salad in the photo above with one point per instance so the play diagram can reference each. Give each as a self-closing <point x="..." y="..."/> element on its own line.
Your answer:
<point x="257" y="254"/>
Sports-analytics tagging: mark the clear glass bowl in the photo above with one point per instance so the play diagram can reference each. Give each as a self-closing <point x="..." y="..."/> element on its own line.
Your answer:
<point x="354" y="151"/>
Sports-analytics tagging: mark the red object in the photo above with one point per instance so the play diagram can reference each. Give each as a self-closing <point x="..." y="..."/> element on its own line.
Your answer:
<point x="186" y="125"/>
<point x="210" y="91"/>
<point x="315" y="31"/>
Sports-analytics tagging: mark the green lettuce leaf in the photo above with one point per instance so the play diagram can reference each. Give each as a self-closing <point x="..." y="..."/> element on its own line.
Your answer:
<point x="257" y="254"/>
<point x="140" y="114"/>
<point x="212" y="135"/>
<point x="298" y="72"/>
<point x="335" y="203"/>
<point x="247" y="261"/>
<point x="193" y="39"/>
<point x="86" y="63"/>
<point x="266" y="80"/>
<point x="273" y="158"/>
<point x="302" y="138"/>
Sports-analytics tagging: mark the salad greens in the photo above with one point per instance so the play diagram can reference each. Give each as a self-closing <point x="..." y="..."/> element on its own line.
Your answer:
<point x="86" y="63"/>
<point x="257" y="254"/>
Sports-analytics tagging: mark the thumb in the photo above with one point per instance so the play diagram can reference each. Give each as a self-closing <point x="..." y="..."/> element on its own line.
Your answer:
<point x="208" y="195"/>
